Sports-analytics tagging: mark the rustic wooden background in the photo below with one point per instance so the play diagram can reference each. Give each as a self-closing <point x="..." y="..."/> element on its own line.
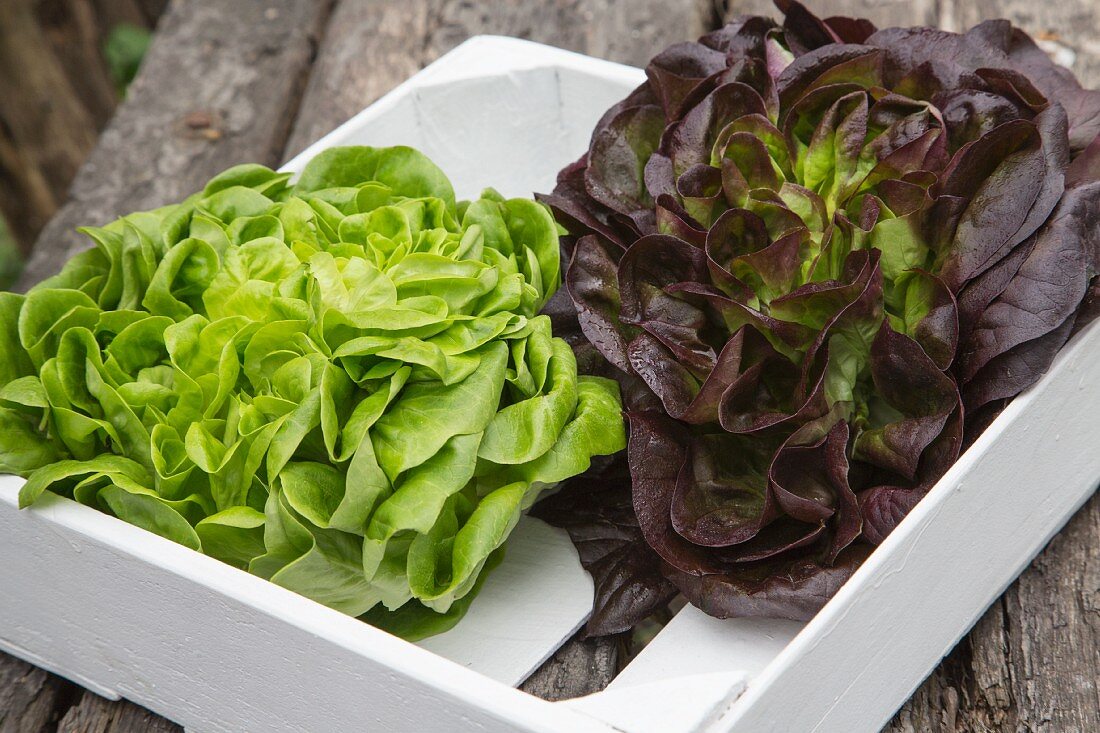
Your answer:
<point x="58" y="92"/>
<point x="228" y="81"/>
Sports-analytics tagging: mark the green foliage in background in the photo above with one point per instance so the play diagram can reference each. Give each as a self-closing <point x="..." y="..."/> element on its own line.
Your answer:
<point x="123" y="50"/>
<point x="11" y="259"/>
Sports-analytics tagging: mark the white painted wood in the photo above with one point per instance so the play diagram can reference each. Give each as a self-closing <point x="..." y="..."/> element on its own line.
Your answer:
<point x="495" y="111"/>
<point x="131" y="614"/>
<point x="690" y="702"/>
<point x="695" y="643"/>
<point x="134" y="615"/>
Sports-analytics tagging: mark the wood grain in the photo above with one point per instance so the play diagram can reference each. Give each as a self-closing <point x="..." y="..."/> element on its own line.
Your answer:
<point x="581" y="667"/>
<point x="219" y="86"/>
<point x="369" y="48"/>
<point x="1052" y="634"/>
<point x="58" y="93"/>
<point x="31" y="699"/>
<point x="94" y="714"/>
<point x="46" y="134"/>
<point x="372" y="46"/>
<point x="1032" y="663"/>
<point x="74" y="35"/>
<point x="882" y="13"/>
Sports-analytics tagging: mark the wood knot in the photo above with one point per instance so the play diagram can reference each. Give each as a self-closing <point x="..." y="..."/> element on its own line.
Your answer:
<point x="203" y="125"/>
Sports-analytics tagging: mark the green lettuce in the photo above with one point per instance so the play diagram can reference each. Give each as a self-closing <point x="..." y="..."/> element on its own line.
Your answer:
<point x="342" y="385"/>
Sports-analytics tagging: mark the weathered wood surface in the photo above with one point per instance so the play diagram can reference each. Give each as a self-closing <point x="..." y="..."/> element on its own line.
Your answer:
<point x="220" y="85"/>
<point x="372" y="46"/>
<point x="39" y="152"/>
<point x="58" y="94"/>
<point x="93" y="714"/>
<point x="31" y="700"/>
<point x="1032" y="663"/>
<point x="259" y="81"/>
<point x="580" y="667"/>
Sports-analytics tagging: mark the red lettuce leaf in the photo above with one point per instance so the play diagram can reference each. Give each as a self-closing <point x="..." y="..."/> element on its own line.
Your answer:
<point x="820" y="258"/>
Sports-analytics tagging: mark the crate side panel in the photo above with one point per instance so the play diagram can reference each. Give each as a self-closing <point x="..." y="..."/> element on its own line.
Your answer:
<point x="150" y="630"/>
<point x="510" y="131"/>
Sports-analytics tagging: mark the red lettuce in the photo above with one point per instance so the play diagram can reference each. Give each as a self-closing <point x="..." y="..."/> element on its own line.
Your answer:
<point x="819" y="257"/>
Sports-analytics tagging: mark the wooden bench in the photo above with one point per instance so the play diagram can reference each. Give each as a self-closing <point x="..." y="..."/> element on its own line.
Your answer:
<point x="225" y="83"/>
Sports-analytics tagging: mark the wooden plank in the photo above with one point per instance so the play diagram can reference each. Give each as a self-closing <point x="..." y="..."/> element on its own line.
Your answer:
<point x="31" y="699"/>
<point x="882" y="13"/>
<point x="76" y="38"/>
<point x="628" y="32"/>
<point x="369" y="48"/>
<point x="693" y="643"/>
<point x="582" y="666"/>
<point x="372" y="46"/>
<point x="53" y="69"/>
<point x="1033" y="661"/>
<point x="1053" y="616"/>
<point x="219" y="86"/>
<point x="94" y="714"/>
<point x="46" y="133"/>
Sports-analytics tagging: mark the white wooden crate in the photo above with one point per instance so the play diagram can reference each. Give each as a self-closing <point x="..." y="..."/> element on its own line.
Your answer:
<point x="129" y="614"/>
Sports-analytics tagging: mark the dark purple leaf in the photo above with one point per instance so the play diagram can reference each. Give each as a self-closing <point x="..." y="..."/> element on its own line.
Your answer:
<point x="679" y="69"/>
<point x="1085" y="168"/>
<point x="807" y="73"/>
<point x="618" y="156"/>
<point x="910" y="383"/>
<point x="1047" y="288"/>
<point x="808" y="238"/>
<point x="597" y="510"/>
<point x="721" y="497"/>
<point x="592" y="280"/>
<point x="690" y="141"/>
<point x="1015" y="370"/>
<point x="1002" y="175"/>
<point x="657" y="455"/>
<point x="792" y="587"/>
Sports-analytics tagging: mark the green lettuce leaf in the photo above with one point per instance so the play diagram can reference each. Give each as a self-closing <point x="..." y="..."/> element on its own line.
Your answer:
<point x="342" y="384"/>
